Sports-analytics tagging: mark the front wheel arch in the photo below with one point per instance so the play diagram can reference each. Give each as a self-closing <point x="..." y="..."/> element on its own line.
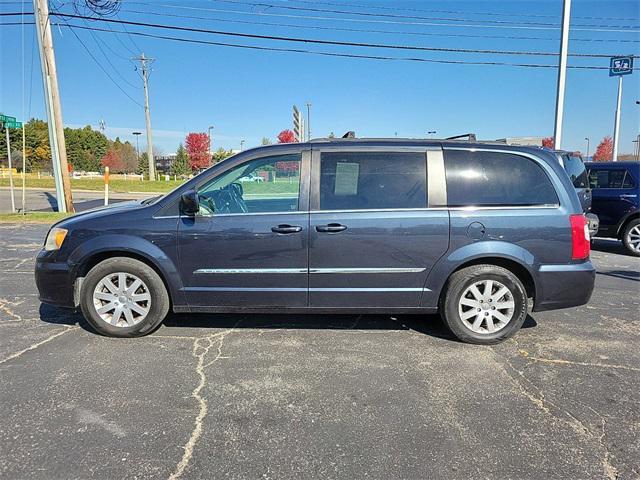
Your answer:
<point x="99" y="257"/>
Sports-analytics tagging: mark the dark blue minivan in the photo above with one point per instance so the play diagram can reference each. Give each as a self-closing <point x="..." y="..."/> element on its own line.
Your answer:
<point x="477" y="231"/>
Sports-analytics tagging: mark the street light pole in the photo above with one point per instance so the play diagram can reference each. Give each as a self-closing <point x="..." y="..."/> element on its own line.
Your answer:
<point x="588" y="143"/>
<point x="241" y="145"/>
<point x="209" y="138"/>
<point x="308" y="121"/>
<point x="431" y="133"/>
<point x="137" y="134"/>
<point x="616" y="125"/>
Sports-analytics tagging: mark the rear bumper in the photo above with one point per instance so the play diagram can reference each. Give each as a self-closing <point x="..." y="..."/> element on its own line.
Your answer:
<point x="564" y="286"/>
<point x="55" y="283"/>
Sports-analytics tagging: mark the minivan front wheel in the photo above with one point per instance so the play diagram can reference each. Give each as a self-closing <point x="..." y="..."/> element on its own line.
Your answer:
<point x="484" y="304"/>
<point x="123" y="297"/>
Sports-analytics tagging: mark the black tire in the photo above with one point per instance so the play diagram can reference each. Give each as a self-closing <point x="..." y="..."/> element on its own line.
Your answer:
<point x="458" y="284"/>
<point x="159" y="304"/>
<point x="626" y="239"/>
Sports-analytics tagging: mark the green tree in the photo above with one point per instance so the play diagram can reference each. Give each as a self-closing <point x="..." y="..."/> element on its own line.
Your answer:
<point x="220" y="155"/>
<point x="181" y="164"/>
<point x="85" y="148"/>
<point x="143" y="165"/>
<point x="266" y="141"/>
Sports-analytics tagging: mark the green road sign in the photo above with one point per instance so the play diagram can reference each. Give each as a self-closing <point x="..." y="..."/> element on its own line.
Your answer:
<point x="12" y="124"/>
<point x="7" y="119"/>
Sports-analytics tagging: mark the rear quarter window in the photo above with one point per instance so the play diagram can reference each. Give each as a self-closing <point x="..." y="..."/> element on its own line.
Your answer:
<point x="484" y="178"/>
<point x="576" y="170"/>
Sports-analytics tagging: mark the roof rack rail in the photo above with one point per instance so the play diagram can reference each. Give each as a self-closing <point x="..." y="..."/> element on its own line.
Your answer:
<point x="469" y="136"/>
<point x="349" y="134"/>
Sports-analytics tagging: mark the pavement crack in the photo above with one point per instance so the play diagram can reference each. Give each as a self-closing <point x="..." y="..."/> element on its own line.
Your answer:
<point x="36" y="345"/>
<point x="201" y="347"/>
<point x="539" y="399"/>
<point x="558" y="361"/>
<point x="4" y="307"/>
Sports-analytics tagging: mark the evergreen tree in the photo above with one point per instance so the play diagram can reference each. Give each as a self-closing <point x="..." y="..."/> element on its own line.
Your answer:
<point x="181" y="164"/>
<point x="143" y="165"/>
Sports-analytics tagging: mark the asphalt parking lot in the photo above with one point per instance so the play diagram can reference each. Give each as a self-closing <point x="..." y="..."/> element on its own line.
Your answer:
<point x="270" y="397"/>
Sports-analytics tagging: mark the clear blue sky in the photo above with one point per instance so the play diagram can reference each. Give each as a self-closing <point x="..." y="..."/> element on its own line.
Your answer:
<point x="248" y="94"/>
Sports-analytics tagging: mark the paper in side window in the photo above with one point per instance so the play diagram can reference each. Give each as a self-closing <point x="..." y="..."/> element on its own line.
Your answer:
<point x="346" y="178"/>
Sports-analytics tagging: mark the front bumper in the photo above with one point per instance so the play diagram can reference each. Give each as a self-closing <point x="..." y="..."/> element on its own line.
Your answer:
<point x="54" y="281"/>
<point x="594" y="224"/>
<point x="564" y="286"/>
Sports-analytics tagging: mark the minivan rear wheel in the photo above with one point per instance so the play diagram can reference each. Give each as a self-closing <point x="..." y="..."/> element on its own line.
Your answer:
<point x="484" y="304"/>
<point x="123" y="297"/>
<point x="631" y="237"/>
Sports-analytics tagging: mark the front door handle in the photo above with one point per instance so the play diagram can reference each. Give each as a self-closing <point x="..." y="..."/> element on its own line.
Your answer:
<point x="286" y="229"/>
<point x="331" y="228"/>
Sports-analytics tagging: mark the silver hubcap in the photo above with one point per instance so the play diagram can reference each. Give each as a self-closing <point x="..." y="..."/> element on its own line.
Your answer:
<point x="633" y="238"/>
<point x="122" y="299"/>
<point x="486" y="307"/>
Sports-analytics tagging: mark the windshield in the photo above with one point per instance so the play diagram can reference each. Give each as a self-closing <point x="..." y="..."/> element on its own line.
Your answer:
<point x="576" y="170"/>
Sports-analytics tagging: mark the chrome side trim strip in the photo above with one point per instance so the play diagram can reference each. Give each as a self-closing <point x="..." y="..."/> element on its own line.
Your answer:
<point x="366" y="270"/>
<point x="304" y="270"/>
<point x="506" y="207"/>
<point x="256" y="289"/>
<point x="367" y="289"/>
<point x="249" y="270"/>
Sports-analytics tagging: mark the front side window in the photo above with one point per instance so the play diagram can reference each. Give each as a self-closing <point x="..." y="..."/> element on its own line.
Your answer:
<point x="610" y="179"/>
<point x="268" y="184"/>
<point x="372" y="180"/>
<point x="495" y="179"/>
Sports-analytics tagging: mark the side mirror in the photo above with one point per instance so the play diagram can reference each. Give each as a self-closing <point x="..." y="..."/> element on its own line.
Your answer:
<point x="189" y="203"/>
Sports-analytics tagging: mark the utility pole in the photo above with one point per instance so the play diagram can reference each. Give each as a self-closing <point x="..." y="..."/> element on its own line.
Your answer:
<point x="144" y="68"/>
<point x="562" y="73"/>
<point x="54" y="109"/>
<point x="616" y="125"/>
<point x="308" y="121"/>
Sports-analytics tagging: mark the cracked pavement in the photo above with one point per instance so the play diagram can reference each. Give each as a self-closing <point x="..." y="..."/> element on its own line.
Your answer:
<point x="318" y="396"/>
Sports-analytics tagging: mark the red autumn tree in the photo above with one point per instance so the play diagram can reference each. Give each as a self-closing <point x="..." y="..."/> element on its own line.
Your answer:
<point x="548" y="142"/>
<point x="286" y="136"/>
<point x="604" y="152"/>
<point x="197" y="145"/>
<point x="113" y="160"/>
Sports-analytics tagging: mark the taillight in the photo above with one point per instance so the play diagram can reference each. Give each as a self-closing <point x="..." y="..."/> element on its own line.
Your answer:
<point x="580" y="241"/>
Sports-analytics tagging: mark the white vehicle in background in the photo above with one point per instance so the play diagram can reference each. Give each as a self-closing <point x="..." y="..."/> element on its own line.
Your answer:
<point x="251" y="178"/>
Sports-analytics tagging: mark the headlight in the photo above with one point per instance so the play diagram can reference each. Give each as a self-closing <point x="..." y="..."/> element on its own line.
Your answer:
<point x="55" y="238"/>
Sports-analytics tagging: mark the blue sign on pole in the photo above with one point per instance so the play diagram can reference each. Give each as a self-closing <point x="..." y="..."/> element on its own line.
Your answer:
<point x="621" y="66"/>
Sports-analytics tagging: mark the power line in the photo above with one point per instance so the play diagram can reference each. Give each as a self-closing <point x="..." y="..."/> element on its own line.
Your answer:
<point x="409" y="17"/>
<point x="362" y="20"/>
<point x="359" y="30"/>
<point x="406" y="9"/>
<point x="96" y="60"/>
<point x="464" y="12"/>
<point x="334" y="54"/>
<point x="326" y="42"/>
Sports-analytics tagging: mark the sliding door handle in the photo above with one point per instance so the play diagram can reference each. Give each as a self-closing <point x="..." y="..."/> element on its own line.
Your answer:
<point x="331" y="228"/>
<point x="286" y="229"/>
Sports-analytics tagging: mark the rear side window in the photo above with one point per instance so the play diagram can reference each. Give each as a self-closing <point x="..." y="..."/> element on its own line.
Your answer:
<point x="372" y="180"/>
<point x="610" y="179"/>
<point x="495" y="179"/>
<point x="576" y="170"/>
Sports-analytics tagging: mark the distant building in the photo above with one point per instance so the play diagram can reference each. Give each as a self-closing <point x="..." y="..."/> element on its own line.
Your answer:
<point x="164" y="162"/>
